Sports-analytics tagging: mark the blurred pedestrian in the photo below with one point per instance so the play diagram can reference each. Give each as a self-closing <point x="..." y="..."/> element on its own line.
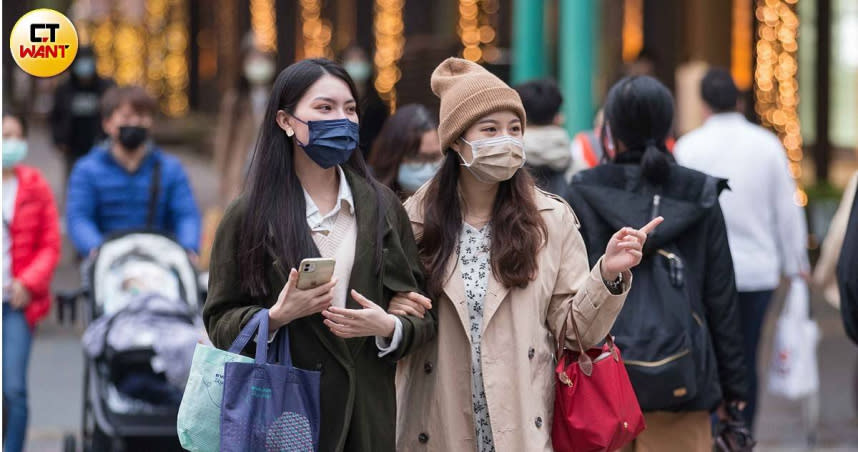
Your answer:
<point x="679" y="330"/>
<point x="407" y="152"/>
<point x="311" y="195"/>
<point x="128" y="182"/>
<point x="31" y="250"/>
<point x="547" y="143"/>
<point x="847" y="275"/>
<point x="825" y="271"/>
<point x="587" y="149"/>
<point x="373" y="110"/>
<point x="507" y="268"/>
<point x="241" y="112"/>
<point x="75" y="118"/>
<point x="766" y="228"/>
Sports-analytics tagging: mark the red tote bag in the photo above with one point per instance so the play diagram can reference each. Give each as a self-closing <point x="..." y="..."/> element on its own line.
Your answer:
<point x="595" y="407"/>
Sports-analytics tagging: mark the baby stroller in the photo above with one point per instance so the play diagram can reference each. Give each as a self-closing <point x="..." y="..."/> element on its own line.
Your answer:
<point x="113" y="420"/>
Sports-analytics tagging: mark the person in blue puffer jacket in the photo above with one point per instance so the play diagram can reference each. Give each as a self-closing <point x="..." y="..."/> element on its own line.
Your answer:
<point x="128" y="182"/>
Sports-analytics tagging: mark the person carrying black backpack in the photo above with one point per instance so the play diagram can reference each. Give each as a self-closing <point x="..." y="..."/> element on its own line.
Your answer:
<point x="679" y="330"/>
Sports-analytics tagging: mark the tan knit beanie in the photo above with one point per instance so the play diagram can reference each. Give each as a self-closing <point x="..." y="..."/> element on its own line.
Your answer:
<point x="468" y="92"/>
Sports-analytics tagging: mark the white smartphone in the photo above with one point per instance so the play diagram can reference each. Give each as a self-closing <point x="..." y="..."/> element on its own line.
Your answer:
<point x="314" y="272"/>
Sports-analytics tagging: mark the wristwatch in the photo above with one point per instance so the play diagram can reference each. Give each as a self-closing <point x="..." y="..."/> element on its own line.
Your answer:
<point x="615" y="286"/>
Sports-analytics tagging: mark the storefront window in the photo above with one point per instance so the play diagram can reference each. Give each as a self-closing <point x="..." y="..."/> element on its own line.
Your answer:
<point x="844" y="74"/>
<point x="807" y="70"/>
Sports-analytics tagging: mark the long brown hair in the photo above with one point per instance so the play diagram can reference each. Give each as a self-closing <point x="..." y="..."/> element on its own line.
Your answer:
<point x="518" y="230"/>
<point x="399" y="139"/>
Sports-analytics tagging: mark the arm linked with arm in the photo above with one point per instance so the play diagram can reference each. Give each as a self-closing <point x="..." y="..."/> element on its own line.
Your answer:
<point x="405" y="262"/>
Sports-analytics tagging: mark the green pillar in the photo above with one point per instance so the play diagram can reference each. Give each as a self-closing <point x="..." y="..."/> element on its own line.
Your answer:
<point x="577" y="61"/>
<point x="528" y="40"/>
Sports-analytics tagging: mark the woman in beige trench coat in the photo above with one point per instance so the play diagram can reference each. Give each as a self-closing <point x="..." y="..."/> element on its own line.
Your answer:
<point x="504" y="263"/>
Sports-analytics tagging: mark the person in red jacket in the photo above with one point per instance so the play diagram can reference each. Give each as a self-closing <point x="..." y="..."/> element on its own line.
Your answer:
<point x="31" y="250"/>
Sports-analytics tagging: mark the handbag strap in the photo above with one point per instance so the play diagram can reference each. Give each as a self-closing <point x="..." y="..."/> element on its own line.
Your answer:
<point x="257" y="325"/>
<point x="154" y="193"/>
<point x="585" y="362"/>
<point x="284" y="353"/>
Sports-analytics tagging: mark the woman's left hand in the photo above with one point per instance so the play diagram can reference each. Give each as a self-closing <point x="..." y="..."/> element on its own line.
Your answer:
<point x="20" y="295"/>
<point x="625" y="250"/>
<point x="369" y="321"/>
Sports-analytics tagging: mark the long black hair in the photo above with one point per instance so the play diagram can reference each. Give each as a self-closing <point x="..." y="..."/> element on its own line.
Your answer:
<point x="639" y="114"/>
<point x="276" y="218"/>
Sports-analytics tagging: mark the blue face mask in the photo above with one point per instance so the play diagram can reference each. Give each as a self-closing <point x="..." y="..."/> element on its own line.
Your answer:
<point x="331" y="141"/>
<point x="413" y="175"/>
<point x="84" y="68"/>
<point x="14" y="150"/>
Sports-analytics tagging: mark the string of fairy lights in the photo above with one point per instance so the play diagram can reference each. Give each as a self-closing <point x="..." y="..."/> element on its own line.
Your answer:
<point x="389" y="44"/>
<point x="151" y="52"/>
<point x="315" y="31"/>
<point x="776" y="82"/>
<point x="263" y="24"/>
<point x="477" y="31"/>
<point x="154" y="53"/>
<point x="632" y="29"/>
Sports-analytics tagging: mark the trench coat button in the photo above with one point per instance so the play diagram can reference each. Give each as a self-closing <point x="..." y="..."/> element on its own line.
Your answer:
<point x="427" y="367"/>
<point x="538" y="422"/>
<point x="423" y="438"/>
<point x="530" y="353"/>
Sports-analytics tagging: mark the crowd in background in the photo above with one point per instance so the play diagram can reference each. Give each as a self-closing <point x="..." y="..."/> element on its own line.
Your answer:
<point x="731" y="228"/>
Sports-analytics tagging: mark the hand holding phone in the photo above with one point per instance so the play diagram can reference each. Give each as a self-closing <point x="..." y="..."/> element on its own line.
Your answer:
<point x="314" y="272"/>
<point x="294" y="303"/>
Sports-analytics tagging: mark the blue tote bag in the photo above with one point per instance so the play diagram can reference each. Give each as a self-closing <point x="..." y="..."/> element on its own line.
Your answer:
<point x="267" y="406"/>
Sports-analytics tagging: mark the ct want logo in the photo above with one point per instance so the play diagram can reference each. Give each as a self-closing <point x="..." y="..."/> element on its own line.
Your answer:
<point x="43" y="42"/>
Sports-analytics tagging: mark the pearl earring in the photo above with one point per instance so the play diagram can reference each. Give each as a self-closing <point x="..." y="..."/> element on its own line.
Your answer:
<point x="290" y="132"/>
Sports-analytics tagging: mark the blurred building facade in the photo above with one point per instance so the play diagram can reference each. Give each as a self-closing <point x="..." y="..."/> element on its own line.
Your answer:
<point x="779" y="51"/>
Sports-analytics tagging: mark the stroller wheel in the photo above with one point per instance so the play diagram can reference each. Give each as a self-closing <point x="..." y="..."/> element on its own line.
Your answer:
<point x="69" y="444"/>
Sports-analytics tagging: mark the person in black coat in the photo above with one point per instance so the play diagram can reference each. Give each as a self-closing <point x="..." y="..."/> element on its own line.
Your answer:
<point x="643" y="182"/>
<point x="847" y="275"/>
<point x="76" y="117"/>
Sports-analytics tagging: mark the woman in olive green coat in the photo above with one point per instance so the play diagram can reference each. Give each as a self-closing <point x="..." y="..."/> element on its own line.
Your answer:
<point x="310" y="195"/>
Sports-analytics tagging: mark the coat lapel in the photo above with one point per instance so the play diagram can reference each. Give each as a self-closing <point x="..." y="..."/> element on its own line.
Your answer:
<point x="496" y="291"/>
<point x="495" y="294"/>
<point x="454" y="287"/>
<point x="363" y="278"/>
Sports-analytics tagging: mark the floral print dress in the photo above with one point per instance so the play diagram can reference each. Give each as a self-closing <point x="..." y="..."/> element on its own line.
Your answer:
<point x="474" y="250"/>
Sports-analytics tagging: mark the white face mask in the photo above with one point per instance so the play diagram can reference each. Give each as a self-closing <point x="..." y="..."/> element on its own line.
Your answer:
<point x="359" y="71"/>
<point x="259" y="70"/>
<point x="495" y="159"/>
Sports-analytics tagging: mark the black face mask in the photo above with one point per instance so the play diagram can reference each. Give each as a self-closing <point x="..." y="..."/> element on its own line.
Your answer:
<point x="131" y="137"/>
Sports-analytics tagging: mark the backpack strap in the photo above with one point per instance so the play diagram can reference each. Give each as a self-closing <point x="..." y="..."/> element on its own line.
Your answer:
<point x="154" y="192"/>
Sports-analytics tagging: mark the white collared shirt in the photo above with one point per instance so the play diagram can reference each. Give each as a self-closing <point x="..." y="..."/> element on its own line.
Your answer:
<point x="325" y="223"/>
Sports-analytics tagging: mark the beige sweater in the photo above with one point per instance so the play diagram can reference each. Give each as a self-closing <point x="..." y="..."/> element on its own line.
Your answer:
<point x="340" y="245"/>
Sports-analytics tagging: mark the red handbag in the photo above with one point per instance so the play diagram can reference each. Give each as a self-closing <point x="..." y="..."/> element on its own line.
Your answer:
<point x="595" y="407"/>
